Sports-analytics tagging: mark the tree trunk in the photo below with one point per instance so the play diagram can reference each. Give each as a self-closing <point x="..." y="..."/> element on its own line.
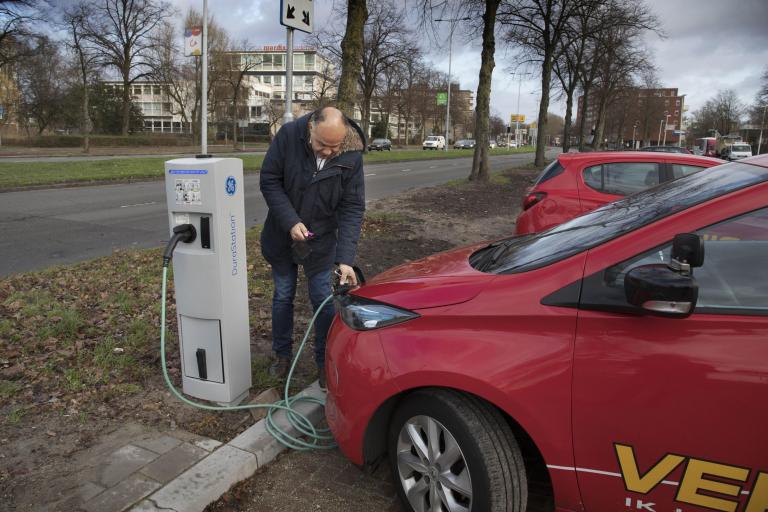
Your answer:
<point x="597" y="142"/>
<point x="351" y="55"/>
<point x="583" y="120"/>
<point x="234" y="119"/>
<point x="126" y="105"/>
<point x="568" y="120"/>
<point x="546" y="79"/>
<point x="483" y="110"/>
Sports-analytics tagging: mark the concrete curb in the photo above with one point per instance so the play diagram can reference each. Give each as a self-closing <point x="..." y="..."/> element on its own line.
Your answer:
<point x="229" y="464"/>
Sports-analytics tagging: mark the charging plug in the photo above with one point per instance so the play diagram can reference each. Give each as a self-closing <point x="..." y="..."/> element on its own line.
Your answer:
<point x="182" y="233"/>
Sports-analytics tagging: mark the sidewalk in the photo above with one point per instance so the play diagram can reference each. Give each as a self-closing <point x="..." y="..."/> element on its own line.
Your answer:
<point x="174" y="471"/>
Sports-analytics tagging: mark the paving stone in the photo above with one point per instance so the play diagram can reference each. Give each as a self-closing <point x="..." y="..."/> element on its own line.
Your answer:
<point x="158" y="444"/>
<point x="206" y="481"/>
<point x="123" y="495"/>
<point x="123" y="462"/>
<point x="89" y="490"/>
<point x="208" y="444"/>
<point x="169" y="465"/>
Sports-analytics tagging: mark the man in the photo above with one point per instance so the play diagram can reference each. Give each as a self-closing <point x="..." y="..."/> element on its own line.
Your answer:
<point x="312" y="181"/>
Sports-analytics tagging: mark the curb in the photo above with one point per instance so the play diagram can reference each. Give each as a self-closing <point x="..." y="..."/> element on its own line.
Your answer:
<point x="229" y="464"/>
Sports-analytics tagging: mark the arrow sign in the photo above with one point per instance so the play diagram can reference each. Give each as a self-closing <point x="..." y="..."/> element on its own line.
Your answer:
<point x="289" y="10"/>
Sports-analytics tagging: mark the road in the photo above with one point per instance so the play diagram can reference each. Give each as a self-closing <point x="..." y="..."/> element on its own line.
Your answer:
<point x="41" y="228"/>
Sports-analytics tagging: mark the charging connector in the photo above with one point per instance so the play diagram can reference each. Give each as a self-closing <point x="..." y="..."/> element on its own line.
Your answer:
<point x="182" y="233"/>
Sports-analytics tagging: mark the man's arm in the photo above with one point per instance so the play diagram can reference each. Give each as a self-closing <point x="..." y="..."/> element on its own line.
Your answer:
<point x="350" y="215"/>
<point x="271" y="182"/>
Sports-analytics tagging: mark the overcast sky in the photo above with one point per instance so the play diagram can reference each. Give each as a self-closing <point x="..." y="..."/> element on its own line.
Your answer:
<point x="710" y="45"/>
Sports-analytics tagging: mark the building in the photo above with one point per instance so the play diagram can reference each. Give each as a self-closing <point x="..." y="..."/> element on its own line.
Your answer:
<point x="645" y="116"/>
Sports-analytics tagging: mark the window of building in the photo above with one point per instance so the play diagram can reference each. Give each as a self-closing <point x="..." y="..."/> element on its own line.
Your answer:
<point x="267" y="79"/>
<point x="267" y="64"/>
<point x="677" y="103"/>
<point x="278" y="80"/>
<point x="156" y="90"/>
<point x="277" y="60"/>
<point x="277" y="95"/>
<point x="298" y="62"/>
<point x="309" y="61"/>
<point x="308" y="82"/>
<point x="137" y="90"/>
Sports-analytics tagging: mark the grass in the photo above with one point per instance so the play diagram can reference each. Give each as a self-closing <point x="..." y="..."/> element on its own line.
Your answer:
<point x="34" y="174"/>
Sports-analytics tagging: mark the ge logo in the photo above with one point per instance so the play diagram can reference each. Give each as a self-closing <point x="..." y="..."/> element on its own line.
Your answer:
<point x="231" y="186"/>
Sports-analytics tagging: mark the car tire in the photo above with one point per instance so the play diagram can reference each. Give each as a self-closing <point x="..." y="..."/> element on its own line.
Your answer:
<point x="475" y="443"/>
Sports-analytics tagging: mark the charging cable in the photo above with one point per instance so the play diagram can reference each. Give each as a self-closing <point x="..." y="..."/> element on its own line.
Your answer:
<point x="316" y="438"/>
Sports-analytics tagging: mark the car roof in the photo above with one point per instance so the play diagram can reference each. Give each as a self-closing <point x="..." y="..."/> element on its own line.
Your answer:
<point x="631" y="156"/>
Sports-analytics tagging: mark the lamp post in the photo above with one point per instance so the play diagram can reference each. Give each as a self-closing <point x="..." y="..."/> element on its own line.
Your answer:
<point x="204" y="109"/>
<point x="661" y="123"/>
<point x="634" y="127"/>
<point x="452" y="21"/>
<point x="517" y="114"/>
<point x="680" y="126"/>
<point x="762" y="123"/>
<point x="666" y="123"/>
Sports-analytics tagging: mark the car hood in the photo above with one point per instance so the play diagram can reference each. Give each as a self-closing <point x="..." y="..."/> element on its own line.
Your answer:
<point x="439" y="280"/>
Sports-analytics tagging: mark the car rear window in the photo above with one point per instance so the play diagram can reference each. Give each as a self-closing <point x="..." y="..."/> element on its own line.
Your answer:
<point x="549" y="172"/>
<point x="529" y="252"/>
<point x="741" y="148"/>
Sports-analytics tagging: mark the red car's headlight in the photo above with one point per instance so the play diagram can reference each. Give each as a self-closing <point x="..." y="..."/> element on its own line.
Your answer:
<point x="365" y="314"/>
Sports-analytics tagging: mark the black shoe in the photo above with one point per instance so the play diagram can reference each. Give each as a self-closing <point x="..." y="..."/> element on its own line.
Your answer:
<point x="321" y="377"/>
<point x="279" y="368"/>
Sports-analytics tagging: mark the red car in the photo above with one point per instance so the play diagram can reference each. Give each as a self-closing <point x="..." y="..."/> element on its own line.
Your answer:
<point x="576" y="183"/>
<point x="610" y="363"/>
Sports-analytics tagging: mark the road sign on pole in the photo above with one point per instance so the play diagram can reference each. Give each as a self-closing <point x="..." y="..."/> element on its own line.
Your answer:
<point x="442" y="98"/>
<point x="298" y="14"/>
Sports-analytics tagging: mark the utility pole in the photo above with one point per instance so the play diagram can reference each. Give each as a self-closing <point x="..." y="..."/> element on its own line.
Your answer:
<point x="666" y="123"/>
<point x="204" y="113"/>
<point x="288" y="115"/>
<point x="452" y="21"/>
<point x="517" y="120"/>
<point x="762" y="124"/>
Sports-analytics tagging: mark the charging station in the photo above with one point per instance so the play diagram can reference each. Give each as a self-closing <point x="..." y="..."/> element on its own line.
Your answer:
<point x="210" y="277"/>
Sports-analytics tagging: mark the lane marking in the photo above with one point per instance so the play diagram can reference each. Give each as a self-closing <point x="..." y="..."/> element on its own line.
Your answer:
<point x="404" y="170"/>
<point x="371" y="174"/>
<point x="138" y="204"/>
<point x="432" y="166"/>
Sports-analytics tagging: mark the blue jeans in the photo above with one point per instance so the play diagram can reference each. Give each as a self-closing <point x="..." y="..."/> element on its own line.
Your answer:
<point x="319" y="284"/>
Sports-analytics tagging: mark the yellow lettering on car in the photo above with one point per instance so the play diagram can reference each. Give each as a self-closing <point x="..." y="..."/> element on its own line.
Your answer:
<point x="758" y="502"/>
<point x="694" y="481"/>
<point x="653" y="477"/>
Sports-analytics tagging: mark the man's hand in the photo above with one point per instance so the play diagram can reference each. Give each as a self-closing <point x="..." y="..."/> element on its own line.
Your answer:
<point x="299" y="232"/>
<point x="347" y="275"/>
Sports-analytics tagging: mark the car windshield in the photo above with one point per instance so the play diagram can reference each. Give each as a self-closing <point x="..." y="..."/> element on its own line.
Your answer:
<point x="431" y="138"/>
<point x="529" y="252"/>
<point x="378" y="141"/>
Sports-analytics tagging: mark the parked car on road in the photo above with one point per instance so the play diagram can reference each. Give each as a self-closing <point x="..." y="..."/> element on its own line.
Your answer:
<point x="667" y="149"/>
<point x="576" y="183"/>
<point x="736" y="152"/>
<point x="464" y="144"/>
<point x="380" y="145"/>
<point x="617" y="359"/>
<point x="434" y="142"/>
<point x="492" y="144"/>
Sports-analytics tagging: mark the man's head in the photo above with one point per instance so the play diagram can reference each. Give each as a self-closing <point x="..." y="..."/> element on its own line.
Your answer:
<point x="327" y="130"/>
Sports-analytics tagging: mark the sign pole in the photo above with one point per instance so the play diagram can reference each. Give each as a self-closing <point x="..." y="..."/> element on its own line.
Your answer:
<point x="204" y="92"/>
<point x="288" y="115"/>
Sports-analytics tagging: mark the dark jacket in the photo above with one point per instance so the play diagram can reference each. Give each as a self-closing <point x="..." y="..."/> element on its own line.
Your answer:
<point x="330" y="202"/>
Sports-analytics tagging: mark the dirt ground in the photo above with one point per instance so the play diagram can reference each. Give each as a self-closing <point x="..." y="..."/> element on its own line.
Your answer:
<point x="44" y="427"/>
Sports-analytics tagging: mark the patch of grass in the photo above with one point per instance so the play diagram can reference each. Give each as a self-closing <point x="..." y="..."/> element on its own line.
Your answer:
<point x="26" y="174"/>
<point x="15" y="415"/>
<point x="261" y="379"/>
<point x="74" y="379"/>
<point x="110" y="361"/>
<point x="9" y="388"/>
<point x="65" y="323"/>
<point x="6" y="328"/>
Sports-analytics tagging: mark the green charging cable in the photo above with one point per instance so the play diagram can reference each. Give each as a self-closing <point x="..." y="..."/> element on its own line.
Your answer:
<point x="319" y="439"/>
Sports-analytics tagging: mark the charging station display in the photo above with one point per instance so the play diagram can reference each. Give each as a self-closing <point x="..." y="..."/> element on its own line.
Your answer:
<point x="210" y="277"/>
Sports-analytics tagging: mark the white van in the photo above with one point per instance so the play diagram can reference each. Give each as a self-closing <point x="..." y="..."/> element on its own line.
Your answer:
<point x="738" y="151"/>
<point x="433" y="142"/>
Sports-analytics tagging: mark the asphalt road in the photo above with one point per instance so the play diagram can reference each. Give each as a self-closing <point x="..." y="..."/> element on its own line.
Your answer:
<point x="41" y="228"/>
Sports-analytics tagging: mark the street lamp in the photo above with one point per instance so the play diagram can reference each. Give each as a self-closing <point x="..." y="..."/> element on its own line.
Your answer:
<point x="634" y="127"/>
<point x="661" y="123"/>
<point x="666" y="123"/>
<point x="517" y="114"/>
<point x="762" y="123"/>
<point x="452" y="21"/>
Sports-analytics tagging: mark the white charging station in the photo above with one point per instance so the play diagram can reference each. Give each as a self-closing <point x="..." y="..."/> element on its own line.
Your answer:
<point x="210" y="277"/>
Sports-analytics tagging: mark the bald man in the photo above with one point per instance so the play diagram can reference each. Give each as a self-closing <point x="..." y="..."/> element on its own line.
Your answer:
<point x="312" y="181"/>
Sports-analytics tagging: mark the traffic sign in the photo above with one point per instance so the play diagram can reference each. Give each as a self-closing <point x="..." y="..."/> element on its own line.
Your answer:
<point x="442" y="98"/>
<point x="297" y="14"/>
<point x="514" y="118"/>
<point x="679" y="132"/>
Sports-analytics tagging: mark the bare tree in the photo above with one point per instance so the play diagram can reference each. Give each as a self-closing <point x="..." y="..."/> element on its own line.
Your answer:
<point x="176" y="73"/>
<point x="234" y="67"/>
<point x="74" y="22"/>
<point x="352" y="55"/>
<point x="41" y="85"/>
<point x="722" y="113"/>
<point x="124" y="33"/>
<point x="16" y="20"/>
<point x="538" y="27"/>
